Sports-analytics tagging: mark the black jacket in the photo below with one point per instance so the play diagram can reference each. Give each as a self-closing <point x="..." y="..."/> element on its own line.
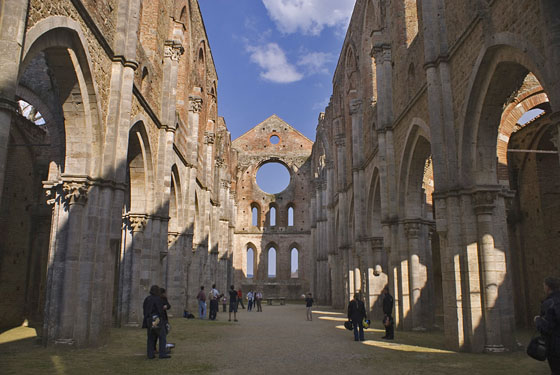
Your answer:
<point x="548" y="324"/>
<point x="356" y="310"/>
<point x="387" y="304"/>
<point x="152" y="305"/>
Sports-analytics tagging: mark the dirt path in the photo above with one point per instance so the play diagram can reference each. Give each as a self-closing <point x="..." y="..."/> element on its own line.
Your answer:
<point x="281" y="340"/>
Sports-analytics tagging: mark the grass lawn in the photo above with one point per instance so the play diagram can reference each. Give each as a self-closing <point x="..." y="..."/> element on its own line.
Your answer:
<point x="125" y="353"/>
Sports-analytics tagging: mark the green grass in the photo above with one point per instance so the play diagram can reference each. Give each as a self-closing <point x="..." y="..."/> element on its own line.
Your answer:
<point x="125" y="353"/>
<point x="431" y="357"/>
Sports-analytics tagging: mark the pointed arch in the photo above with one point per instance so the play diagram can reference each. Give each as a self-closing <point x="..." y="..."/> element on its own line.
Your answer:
<point x="62" y="45"/>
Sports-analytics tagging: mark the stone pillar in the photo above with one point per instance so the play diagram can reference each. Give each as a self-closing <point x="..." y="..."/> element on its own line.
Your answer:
<point x="377" y="277"/>
<point x="130" y="315"/>
<point x="417" y="273"/>
<point x="493" y="268"/>
<point x="12" y="30"/>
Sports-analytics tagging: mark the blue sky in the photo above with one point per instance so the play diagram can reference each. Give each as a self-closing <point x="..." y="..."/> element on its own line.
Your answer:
<point x="275" y="57"/>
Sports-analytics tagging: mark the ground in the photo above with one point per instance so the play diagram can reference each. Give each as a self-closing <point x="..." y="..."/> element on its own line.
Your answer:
<point x="277" y="341"/>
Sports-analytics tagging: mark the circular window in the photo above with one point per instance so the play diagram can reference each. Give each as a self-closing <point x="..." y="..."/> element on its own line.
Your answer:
<point x="273" y="177"/>
<point x="274" y="139"/>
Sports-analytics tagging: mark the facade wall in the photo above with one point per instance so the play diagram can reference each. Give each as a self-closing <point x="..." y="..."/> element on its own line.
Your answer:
<point x="253" y="150"/>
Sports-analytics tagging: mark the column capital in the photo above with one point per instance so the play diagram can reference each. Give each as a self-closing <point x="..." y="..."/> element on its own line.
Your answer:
<point x="412" y="228"/>
<point x="75" y="191"/>
<point x="376" y="242"/>
<point x="173" y="50"/>
<point x="355" y="106"/>
<point x="195" y="104"/>
<point x="484" y="201"/>
<point x="137" y="221"/>
<point x="340" y="140"/>
<point x="209" y="138"/>
<point x="172" y="237"/>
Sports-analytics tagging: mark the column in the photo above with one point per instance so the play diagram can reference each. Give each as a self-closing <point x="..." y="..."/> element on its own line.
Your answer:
<point x="12" y="29"/>
<point x="131" y="315"/>
<point x="493" y="264"/>
<point x="416" y="272"/>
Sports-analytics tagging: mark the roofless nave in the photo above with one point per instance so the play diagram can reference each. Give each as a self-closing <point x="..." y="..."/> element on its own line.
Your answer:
<point x="422" y="176"/>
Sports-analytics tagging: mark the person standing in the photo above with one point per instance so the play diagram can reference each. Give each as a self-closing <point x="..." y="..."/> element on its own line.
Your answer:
<point x="250" y="301"/>
<point x="153" y="310"/>
<point x="240" y="299"/>
<point x="357" y="314"/>
<point x="224" y="303"/>
<point x="258" y="299"/>
<point x="308" y="306"/>
<point x="164" y="318"/>
<point x="388" y="321"/>
<point x="214" y="302"/>
<point x="548" y="323"/>
<point x="233" y="303"/>
<point x="201" y="297"/>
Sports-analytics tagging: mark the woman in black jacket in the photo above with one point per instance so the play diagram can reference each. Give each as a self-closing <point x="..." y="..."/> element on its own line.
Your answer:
<point x="357" y="314"/>
<point x="548" y="323"/>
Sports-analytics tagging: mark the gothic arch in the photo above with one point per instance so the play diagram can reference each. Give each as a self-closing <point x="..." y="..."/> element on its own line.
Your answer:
<point x="499" y="70"/>
<point x="140" y="172"/>
<point x="413" y="166"/>
<point x="60" y="43"/>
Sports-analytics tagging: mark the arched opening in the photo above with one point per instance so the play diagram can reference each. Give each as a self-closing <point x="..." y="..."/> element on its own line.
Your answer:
<point x="272" y="215"/>
<point x="515" y="261"/>
<point x="294" y="263"/>
<point x="54" y="136"/>
<point x="137" y="206"/>
<point x="272" y="262"/>
<point x="250" y="265"/>
<point x="255" y="215"/>
<point x="290" y="216"/>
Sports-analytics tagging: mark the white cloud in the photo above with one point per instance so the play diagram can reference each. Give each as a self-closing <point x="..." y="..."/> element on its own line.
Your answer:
<point x="315" y="62"/>
<point x="309" y="16"/>
<point x="272" y="59"/>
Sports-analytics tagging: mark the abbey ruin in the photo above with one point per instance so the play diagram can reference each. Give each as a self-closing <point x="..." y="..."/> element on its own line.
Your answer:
<point x="116" y="171"/>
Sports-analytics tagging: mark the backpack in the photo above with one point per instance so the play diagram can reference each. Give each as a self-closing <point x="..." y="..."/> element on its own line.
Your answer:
<point x="154" y="323"/>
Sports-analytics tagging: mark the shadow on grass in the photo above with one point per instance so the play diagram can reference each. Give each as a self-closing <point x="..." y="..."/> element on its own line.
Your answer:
<point x="125" y="353"/>
<point x="421" y="353"/>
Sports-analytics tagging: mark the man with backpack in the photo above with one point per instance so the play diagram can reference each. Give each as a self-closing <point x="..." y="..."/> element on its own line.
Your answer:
<point x="153" y="321"/>
<point x="548" y="323"/>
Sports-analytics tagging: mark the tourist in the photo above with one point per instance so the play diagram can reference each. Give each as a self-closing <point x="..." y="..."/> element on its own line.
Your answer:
<point x="250" y="299"/>
<point x="388" y="321"/>
<point x="233" y="303"/>
<point x="240" y="299"/>
<point x="258" y="299"/>
<point x="224" y="303"/>
<point x="309" y="305"/>
<point x="164" y="317"/>
<point x="154" y="312"/>
<point x="548" y="323"/>
<point x="357" y="314"/>
<point x="201" y="297"/>
<point x="214" y="297"/>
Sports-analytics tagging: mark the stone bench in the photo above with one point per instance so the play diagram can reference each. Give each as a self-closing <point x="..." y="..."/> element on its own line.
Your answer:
<point x="281" y="299"/>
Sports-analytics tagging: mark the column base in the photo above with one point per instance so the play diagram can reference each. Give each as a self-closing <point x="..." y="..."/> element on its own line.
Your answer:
<point x="65" y="342"/>
<point x="494" y="349"/>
